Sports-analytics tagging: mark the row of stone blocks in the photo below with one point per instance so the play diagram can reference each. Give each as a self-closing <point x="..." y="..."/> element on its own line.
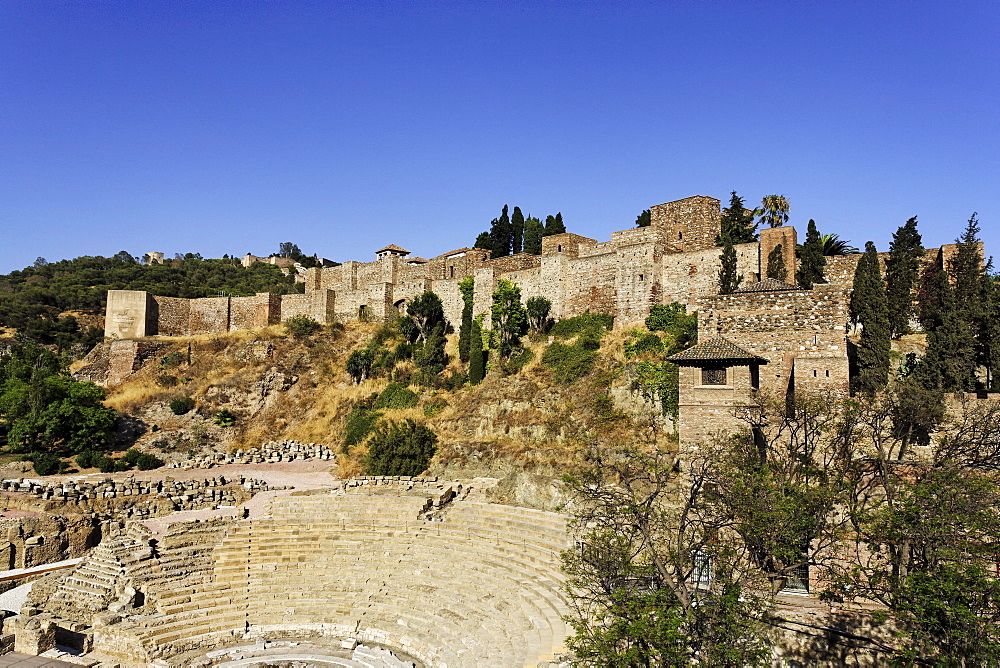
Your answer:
<point x="479" y="587"/>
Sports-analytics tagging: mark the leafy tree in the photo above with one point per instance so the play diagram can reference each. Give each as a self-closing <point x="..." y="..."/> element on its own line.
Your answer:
<point x="737" y="223"/>
<point x="359" y="364"/>
<point x="773" y="211"/>
<point x="554" y="225"/>
<point x="500" y="234"/>
<point x="869" y="308"/>
<point x="509" y="317"/>
<point x="533" y="232"/>
<point x="484" y="241"/>
<point x="635" y="577"/>
<point x="538" y="312"/>
<point x="674" y="319"/>
<point x="426" y="312"/>
<point x="644" y="219"/>
<point x="42" y="409"/>
<point x="834" y="245"/>
<point x="289" y="250"/>
<point x="400" y="448"/>
<point x="302" y="326"/>
<point x="776" y="264"/>
<point x="812" y="261"/>
<point x="901" y="273"/>
<point x="516" y="231"/>
<point x="477" y="361"/>
<point x="225" y="418"/>
<point x="729" y="277"/>
<point x="467" y="287"/>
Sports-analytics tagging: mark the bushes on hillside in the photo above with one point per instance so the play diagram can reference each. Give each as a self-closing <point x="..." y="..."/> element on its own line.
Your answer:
<point x="301" y="326"/>
<point x="395" y="397"/>
<point x="400" y="448"/>
<point x="592" y="323"/>
<point x="569" y="363"/>
<point x="181" y="406"/>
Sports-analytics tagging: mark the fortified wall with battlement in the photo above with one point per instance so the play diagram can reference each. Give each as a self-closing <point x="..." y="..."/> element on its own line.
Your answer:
<point x="674" y="259"/>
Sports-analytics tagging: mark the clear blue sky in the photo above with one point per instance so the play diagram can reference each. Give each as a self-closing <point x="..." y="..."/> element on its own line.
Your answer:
<point x="228" y="127"/>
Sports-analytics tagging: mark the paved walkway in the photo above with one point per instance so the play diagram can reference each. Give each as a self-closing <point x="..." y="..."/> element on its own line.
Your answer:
<point x="27" y="661"/>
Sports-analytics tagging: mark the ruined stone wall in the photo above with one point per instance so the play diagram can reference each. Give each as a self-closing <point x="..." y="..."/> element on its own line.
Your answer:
<point x="174" y="315"/>
<point x="590" y="285"/>
<point x="209" y="315"/>
<point x="688" y="276"/>
<point x="519" y="262"/>
<point x="244" y="313"/>
<point x="690" y="224"/>
<point x="637" y="281"/>
<point x="782" y="325"/>
<point x="457" y="264"/>
<point x="770" y="237"/>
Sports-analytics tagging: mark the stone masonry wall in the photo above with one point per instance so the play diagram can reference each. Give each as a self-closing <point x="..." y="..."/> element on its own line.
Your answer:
<point x="174" y="315"/>
<point x="782" y="325"/>
<point x="690" y="224"/>
<point x="209" y="315"/>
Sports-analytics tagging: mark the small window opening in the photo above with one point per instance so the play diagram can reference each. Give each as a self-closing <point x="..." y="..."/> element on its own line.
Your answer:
<point x="713" y="376"/>
<point x="755" y="377"/>
<point x="680" y="235"/>
<point x="641" y="276"/>
<point x="559" y="248"/>
<point x="701" y="572"/>
<point x="798" y="578"/>
<point x="827" y="373"/>
<point x="452" y="271"/>
<point x="815" y="373"/>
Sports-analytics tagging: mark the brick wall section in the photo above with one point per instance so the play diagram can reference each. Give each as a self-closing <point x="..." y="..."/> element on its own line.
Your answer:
<point x="779" y="326"/>
<point x="209" y="315"/>
<point x="706" y="410"/>
<point x="771" y="237"/>
<point x="174" y="315"/>
<point x="691" y="223"/>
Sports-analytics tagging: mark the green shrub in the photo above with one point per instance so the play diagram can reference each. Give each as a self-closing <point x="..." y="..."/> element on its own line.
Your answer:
<point x="172" y="360"/>
<point x="225" y="418"/>
<point x="643" y="344"/>
<point x="596" y="323"/>
<point x="517" y="361"/>
<point x="106" y="464"/>
<point x="360" y="421"/>
<point x="396" y="397"/>
<point x="181" y="406"/>
<point x="301" y="326"/>
<point x="147" y="462"/>
<point x="131" y="456"/>
<point x="86" y="459"/>
<point x="359" y="364"/>
<point x="568" y="363"/>
<point x="400" y="448"/>
<point x="166" y="380"/>
<point x="433" y="408"/>
<point x="47" y="464"/>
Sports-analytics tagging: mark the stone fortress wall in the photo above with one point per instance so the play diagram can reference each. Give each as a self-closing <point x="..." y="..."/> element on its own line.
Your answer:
<point x="674" y="259"/>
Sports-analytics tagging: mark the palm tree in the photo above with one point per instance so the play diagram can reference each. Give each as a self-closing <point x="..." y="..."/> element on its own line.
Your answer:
<point x="834" y="245"/>
<point x="773" y="210"/>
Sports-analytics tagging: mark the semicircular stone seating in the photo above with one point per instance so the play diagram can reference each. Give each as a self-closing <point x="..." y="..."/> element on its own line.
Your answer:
<point x="478" y="586"/>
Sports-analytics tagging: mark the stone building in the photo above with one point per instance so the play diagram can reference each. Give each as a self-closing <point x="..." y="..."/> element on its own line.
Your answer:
<point x="674" y="259"/>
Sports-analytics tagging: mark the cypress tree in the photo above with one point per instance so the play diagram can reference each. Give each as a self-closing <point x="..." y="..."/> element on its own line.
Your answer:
<point x="533" y="235"/>
<point x="477" y="363"/>
<point x="729" y="278"/>
<point x="949" y="361"/>
<point x="500" y="234"/>
<point x="516" y="231"/>
<point x="812" y="261"/>
<point x="869" y="308"/>
<point x="467" y="287"/>
<point x="776" y="264"/>
<point x="901" y="274"/>
<point x="644" y="219"/>
<point x="554" y="225"/>
<point x="737" y="222"/>
<point x="968" y="271"/>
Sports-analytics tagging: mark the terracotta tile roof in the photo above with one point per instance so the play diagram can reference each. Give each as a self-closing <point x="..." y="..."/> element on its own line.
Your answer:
<point x="393" y="247"/>
<point x="768" y="285"/>
<point x="717" y="349"/>
<point x="416" y="260"/>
